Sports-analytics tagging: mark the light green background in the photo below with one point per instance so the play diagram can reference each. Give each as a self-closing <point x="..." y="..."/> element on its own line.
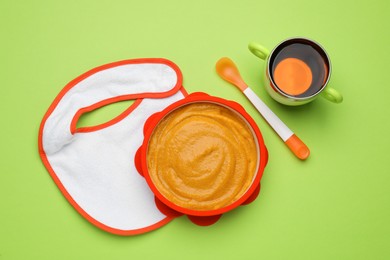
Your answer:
<point x="335" y="205"/>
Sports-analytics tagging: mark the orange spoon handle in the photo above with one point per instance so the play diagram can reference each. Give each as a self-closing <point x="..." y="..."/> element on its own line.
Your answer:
<point x="298" y="147"/>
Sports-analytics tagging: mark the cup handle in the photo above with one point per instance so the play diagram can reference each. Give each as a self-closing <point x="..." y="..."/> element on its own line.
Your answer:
<point x="332" y="95"/>
<point x="258" y="50"/>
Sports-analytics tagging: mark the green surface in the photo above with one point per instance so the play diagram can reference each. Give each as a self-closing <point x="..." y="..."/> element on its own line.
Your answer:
<point x="335" y="205"/>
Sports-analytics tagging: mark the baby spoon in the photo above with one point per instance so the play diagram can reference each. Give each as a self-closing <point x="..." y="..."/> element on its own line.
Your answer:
<point x="227" y="70"/>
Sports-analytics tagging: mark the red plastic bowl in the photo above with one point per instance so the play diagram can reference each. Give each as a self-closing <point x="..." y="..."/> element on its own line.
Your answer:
<point x="210" y="216"/>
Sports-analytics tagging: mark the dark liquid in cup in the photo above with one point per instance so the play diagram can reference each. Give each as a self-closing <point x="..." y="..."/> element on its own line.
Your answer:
<point x="299" y="67"/>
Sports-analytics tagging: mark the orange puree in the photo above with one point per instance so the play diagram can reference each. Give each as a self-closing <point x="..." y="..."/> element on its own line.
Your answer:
<point x="202" y="156"/>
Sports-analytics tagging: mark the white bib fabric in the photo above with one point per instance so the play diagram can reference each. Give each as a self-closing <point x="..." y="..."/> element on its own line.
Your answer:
<point x="94" y="166"/>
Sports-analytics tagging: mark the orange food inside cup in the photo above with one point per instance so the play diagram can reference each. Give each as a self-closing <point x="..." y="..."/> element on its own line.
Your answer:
<point x="202" y="156"/>
<point x="293" y="76"/>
